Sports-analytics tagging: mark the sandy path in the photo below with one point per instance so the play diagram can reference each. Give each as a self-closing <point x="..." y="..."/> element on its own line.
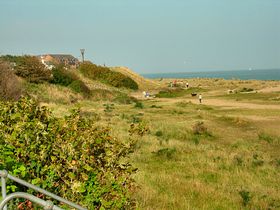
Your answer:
<point x="235" y="104"/>
<point x="270" y="89"/>
<point x="221" y="103"/>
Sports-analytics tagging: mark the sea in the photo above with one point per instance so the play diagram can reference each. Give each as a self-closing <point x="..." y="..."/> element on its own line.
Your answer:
<point x="264" y="74"/>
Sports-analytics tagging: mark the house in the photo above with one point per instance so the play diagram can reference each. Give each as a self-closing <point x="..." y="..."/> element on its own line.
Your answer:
<point x="50" y="60"/>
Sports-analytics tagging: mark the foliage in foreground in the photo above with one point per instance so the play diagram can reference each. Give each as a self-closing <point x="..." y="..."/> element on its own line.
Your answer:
<point x="71" y="156"/>
<point x="104" y="74"/>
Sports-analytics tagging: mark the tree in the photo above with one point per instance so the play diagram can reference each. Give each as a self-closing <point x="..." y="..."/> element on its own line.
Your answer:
<point x="30" y="68"/>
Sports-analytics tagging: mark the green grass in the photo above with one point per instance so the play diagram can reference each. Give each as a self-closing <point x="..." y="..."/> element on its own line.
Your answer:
<point x="262" y="98"/>
<point x="178" y="92"/>
<point x="233" y="164"/>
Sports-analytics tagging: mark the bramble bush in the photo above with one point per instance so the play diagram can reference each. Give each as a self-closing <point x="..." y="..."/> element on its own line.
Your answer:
<point x="105" y="75"/>
<point x="71" y="156"/>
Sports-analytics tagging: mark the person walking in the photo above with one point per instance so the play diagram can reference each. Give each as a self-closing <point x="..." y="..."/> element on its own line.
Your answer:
<point x="200" y="98"/>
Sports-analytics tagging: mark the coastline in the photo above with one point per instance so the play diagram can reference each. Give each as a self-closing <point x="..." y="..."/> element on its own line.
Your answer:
<point x="266" y="74"/>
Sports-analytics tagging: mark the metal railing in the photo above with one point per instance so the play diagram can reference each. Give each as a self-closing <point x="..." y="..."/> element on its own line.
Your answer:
<point x="48" y="205"/>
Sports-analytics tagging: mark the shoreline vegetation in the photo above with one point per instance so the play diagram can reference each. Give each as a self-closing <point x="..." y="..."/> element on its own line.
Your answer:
<point x="164" y="150"/>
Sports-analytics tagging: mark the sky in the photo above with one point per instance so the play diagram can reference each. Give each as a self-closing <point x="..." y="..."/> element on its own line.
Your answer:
<point x="148" y="36"/>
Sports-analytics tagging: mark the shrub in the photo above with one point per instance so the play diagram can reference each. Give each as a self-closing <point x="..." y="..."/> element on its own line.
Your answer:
<point x="105" y="75"/>
<point x="155" y="106"/>
<point x="170" y="93"/>
<point x="79" y="87"/>
<point x="166" y="152"/>
<point x="68" y="78"/>
<point x="135" y="119"/>
<point x="246" y="197"/>
<point x="177" y="92"/>
<point x="141" y="128"/>
<point x="244" y="89"/>
<point x="159" y="133"/>
<point x="139" y="105"/>
<point x="199" y="128"/>
<point x="70" y="156"/>
<point x="10" y="86"/>
<point x="265" y="137"/>
<point x="30" y="68"/>
<point x="63" y="77"/>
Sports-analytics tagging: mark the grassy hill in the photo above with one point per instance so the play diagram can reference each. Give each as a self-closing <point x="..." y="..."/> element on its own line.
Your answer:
<point x="144" y="84"/>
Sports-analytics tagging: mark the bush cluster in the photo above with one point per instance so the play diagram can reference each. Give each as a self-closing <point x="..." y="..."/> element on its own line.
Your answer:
<point x="244" y="89"/>
<point x="70" y="156"/>
<point x="171" y="93"/>
<point x="29" y="67"/>
<point x="63" y="77"/>
<point x="104" y="74"/>
<point x="11" y="87"/>
<point x="177" y="92"/>
<point x="67" y="78"/>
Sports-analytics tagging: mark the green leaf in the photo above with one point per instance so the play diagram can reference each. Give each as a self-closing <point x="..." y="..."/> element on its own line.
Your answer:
<point x="22" y="168"/>
<point x="36" y="181"/>
<point x="72" y="175"/>
<point x="88" y="168"/>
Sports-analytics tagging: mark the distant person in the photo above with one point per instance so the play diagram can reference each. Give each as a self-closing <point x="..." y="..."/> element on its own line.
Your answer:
<point x="187" y="85"/>
<point x="144" y="94"/>
<point x="200" y="98"/>
<point x="147" y="94"/>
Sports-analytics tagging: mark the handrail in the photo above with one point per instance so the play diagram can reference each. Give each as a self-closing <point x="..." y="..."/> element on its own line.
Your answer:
<point x="48" y="205"/>
<point x="4" y="175"/>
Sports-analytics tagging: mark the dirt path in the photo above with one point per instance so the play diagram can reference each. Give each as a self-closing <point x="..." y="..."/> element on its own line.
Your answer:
<point x="221" y="103"/>
<point x="270" y="89"/>
<point x="235" y="104"/>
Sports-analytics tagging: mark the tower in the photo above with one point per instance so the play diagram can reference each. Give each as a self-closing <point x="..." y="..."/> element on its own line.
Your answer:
<point x="83" y="54"/>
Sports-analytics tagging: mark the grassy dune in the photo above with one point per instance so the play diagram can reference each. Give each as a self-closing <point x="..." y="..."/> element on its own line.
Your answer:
<point x="221" y="154"/>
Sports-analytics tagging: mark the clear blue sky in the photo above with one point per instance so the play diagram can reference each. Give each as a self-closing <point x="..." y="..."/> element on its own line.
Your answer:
<point x="149" y="36"/>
